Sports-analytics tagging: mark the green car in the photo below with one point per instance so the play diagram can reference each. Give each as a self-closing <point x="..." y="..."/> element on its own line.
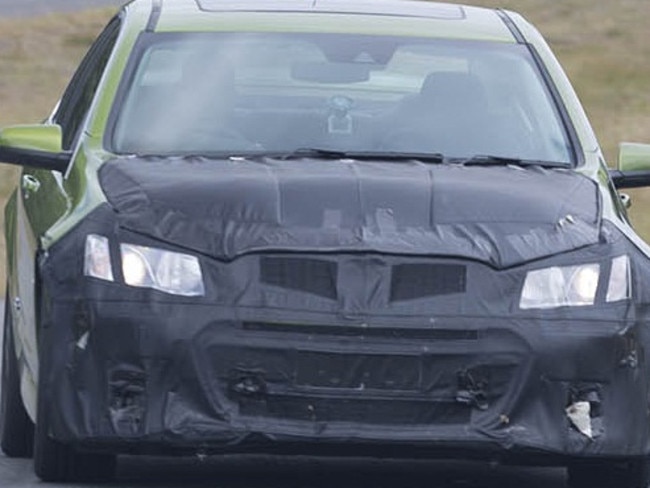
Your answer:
<point x="378" y="228"/>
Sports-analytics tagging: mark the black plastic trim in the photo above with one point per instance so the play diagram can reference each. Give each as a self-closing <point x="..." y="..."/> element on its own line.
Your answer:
<point x="512" y="27"/>
<point x="576" y="146"/>
<point x="630" y="179"/>
<point x="36" y="159"/>
<point x="156" y="10"/>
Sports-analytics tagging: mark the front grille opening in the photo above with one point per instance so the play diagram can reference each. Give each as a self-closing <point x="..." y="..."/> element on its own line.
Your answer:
<point x="418" y="280"/>
<point x="367" y="411"/>
<point x="403" y="332"/>
<point x="315" y="276"/>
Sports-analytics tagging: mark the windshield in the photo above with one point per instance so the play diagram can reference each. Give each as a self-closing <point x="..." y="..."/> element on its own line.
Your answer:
<point x="266" y="93"/>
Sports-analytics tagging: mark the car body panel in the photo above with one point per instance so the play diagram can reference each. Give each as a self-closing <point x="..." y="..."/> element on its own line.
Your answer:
<point x="404" y="208"/>
<point x="410" y="18"/>
<point x="24" y="307"/>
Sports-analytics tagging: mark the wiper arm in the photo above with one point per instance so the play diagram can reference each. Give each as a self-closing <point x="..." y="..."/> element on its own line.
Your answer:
<point x="433" y="158"/>
<point x="489" y="160"/>
<point x="313" y="152"/>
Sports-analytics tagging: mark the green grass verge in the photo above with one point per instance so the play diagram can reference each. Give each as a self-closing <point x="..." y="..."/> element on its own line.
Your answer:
<point x="604" y="47"/>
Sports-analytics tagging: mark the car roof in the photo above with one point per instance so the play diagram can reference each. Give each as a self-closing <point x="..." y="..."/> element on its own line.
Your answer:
<point x="384" y="17"/>
<point x="372" y="7"/>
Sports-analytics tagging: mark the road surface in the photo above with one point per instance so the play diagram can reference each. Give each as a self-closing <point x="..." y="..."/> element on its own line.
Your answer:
<point x="270" y="472"/>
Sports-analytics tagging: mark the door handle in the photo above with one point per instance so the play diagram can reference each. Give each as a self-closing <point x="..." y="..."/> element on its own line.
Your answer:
<point x="30" y="185"/>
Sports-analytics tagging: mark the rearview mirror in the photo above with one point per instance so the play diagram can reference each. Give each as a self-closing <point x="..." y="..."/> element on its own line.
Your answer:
<point x="36" y="146"/>
<point x="331" y="72"/>
<point x="633" y="166"/>
<point x="634" y="157"/>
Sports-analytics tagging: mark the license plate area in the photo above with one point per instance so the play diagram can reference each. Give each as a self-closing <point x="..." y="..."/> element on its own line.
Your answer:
<point x="358" y="371"/>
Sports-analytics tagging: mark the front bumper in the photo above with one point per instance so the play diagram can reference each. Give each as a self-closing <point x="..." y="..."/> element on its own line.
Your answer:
<point x="134" y="376"/>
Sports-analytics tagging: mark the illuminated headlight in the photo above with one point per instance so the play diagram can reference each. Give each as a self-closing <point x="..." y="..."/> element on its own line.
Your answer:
<point x="97" y="258"/>
<point x="575" y="286"/>
<point x="560" y="287"/>
<point x="169" y="272"/>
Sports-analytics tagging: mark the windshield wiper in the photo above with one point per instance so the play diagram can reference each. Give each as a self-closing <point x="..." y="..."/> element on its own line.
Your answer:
<point x="321" y="153"/>
<point x="312" y="152"/>
<point x="488" y="160"/>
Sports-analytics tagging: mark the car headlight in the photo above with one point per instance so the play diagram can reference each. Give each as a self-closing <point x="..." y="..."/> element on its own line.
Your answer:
<point x="620" y="280"/>
<point x="97" y="258"/>
<point x="560" y="287"/>
<point x="170" y="272"/>
<point x="575" y="286"/>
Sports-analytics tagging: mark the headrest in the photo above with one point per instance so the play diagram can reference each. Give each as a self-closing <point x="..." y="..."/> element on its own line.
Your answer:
<point x="446" y="88"/>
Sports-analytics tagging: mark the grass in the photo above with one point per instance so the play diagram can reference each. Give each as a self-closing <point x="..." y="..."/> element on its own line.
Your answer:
<point x="604" y="47"/>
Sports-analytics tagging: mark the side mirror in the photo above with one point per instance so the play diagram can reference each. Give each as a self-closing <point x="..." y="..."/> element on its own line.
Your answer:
<point x="633" y="166"/>
<point x="36" y="146"/>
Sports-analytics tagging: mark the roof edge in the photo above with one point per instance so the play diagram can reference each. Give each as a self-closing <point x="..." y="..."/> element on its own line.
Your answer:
<point x="156" y="10"/>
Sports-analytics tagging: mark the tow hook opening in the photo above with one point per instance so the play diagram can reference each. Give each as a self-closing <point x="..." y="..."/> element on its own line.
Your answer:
<point x="585" y="410"/>
<point x="248" y="383"/>
<point x="127" y="389"/>
<point x="472" y="388"/>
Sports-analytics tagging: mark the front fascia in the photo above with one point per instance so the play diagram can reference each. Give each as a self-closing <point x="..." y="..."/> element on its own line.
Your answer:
<point x="236" y="370"/>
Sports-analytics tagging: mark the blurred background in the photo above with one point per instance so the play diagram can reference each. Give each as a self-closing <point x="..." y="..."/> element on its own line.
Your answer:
<point x="604" y="46"/>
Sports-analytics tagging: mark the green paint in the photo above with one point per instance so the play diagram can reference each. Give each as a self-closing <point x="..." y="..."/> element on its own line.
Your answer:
<point x="634" y="157"/>
<point x="46" y="138"/>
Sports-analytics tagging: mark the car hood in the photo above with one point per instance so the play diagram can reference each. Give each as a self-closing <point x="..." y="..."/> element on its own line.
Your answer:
<point x="503" y="216"/>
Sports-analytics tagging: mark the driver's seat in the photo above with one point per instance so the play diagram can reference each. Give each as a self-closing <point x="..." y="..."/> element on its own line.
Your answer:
<point x="450" y="115"/>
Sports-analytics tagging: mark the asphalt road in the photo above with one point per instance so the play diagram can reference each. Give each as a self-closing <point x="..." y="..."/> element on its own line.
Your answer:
<point x="270" y="472"/>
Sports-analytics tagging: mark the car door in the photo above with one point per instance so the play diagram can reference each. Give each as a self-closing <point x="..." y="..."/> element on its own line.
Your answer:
<point x="42" y="199"/>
